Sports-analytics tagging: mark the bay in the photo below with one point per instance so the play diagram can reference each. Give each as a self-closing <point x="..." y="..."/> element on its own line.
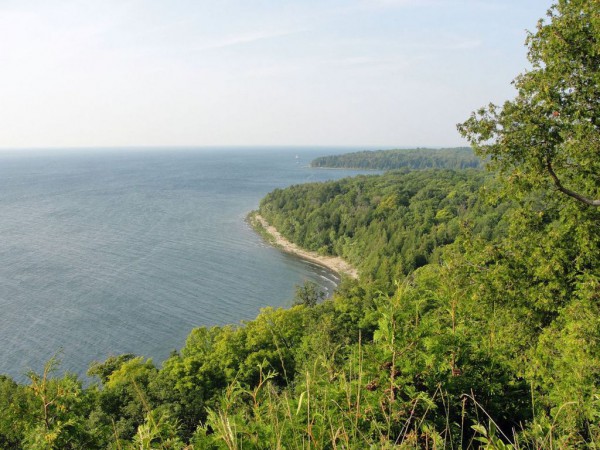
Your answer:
<point x="110" y="251"/>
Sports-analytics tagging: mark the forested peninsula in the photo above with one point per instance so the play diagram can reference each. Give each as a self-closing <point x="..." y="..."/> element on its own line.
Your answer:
<point x="417" y="158"/>
<point x="385" y="225"/>
<point x="474" y="323"/>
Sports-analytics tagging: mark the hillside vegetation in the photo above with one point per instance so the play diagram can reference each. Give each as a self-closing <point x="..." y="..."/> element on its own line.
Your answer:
<point x="418" y="158"/>
<point x="387" y="226"/>
<point x="491" y="338"/>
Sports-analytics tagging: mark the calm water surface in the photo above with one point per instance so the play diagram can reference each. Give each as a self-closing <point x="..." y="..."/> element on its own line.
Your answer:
<point x="111" y="251"/>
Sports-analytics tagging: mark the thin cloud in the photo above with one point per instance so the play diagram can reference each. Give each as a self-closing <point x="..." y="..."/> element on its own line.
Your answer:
<point x="445" y="43"/>
<point x="368" y="62"/>
<point x="398" y="3"/>
<point x="242" y="39"/>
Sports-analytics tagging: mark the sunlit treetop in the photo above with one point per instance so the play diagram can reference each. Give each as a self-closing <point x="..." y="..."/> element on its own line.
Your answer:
<point x="549" y="135"/>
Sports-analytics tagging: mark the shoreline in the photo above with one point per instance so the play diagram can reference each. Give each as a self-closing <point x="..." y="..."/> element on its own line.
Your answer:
<point x="270" y="233"/>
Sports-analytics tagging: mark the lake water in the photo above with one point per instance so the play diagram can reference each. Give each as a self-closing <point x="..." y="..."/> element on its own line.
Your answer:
<point x="111" y="251"/>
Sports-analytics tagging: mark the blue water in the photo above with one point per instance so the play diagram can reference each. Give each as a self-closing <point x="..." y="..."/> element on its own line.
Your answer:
<point x="111" y="251"/>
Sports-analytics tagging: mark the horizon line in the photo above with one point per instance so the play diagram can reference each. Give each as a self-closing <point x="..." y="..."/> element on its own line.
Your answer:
<point x="226" y="146"/>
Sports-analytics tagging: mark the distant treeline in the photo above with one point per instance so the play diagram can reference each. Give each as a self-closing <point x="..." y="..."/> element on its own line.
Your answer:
<point x="417" y="158"/>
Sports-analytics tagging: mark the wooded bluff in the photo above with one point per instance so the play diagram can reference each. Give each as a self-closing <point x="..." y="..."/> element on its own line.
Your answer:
<point x="475" y="321"/>
<point x="468" y="323"/>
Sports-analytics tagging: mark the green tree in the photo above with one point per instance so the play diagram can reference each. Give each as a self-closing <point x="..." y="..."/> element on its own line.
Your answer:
<point x="309" y="294"/>
<point x="549" y="135"/>
<point x="58" y="412"/>
<point x="126" y="397"/>
<point x="15" y="402"/>
<point x="545" y="275"/>
<point x="104" y="370"/>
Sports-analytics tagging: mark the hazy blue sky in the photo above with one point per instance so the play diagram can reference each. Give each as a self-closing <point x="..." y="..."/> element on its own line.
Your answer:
<point x="242" y="72"/>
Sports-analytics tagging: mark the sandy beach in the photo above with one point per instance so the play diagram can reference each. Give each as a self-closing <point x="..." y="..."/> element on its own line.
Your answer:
<point x="334" y="263"/>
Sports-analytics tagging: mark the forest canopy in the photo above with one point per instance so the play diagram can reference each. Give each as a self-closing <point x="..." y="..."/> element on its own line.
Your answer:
<point x="388" y="225"/>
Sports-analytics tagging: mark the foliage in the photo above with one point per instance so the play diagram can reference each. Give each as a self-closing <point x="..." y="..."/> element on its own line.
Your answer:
<point x="475" y="324"/>
<point x="57" y="414"/>
<point x="389" y="225"/>
<point x="309" y="294"/>
<point x="418" y="158"/>
<point x="15" y="403"/>
<point x="548" y="137"/>
<point x="484" y="346"/>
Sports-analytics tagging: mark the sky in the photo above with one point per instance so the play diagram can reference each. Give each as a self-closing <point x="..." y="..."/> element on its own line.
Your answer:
<point x="370" y="73"/>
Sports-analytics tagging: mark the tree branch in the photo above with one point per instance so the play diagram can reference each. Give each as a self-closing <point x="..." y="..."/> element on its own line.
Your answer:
<point x="569" y="192"/>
